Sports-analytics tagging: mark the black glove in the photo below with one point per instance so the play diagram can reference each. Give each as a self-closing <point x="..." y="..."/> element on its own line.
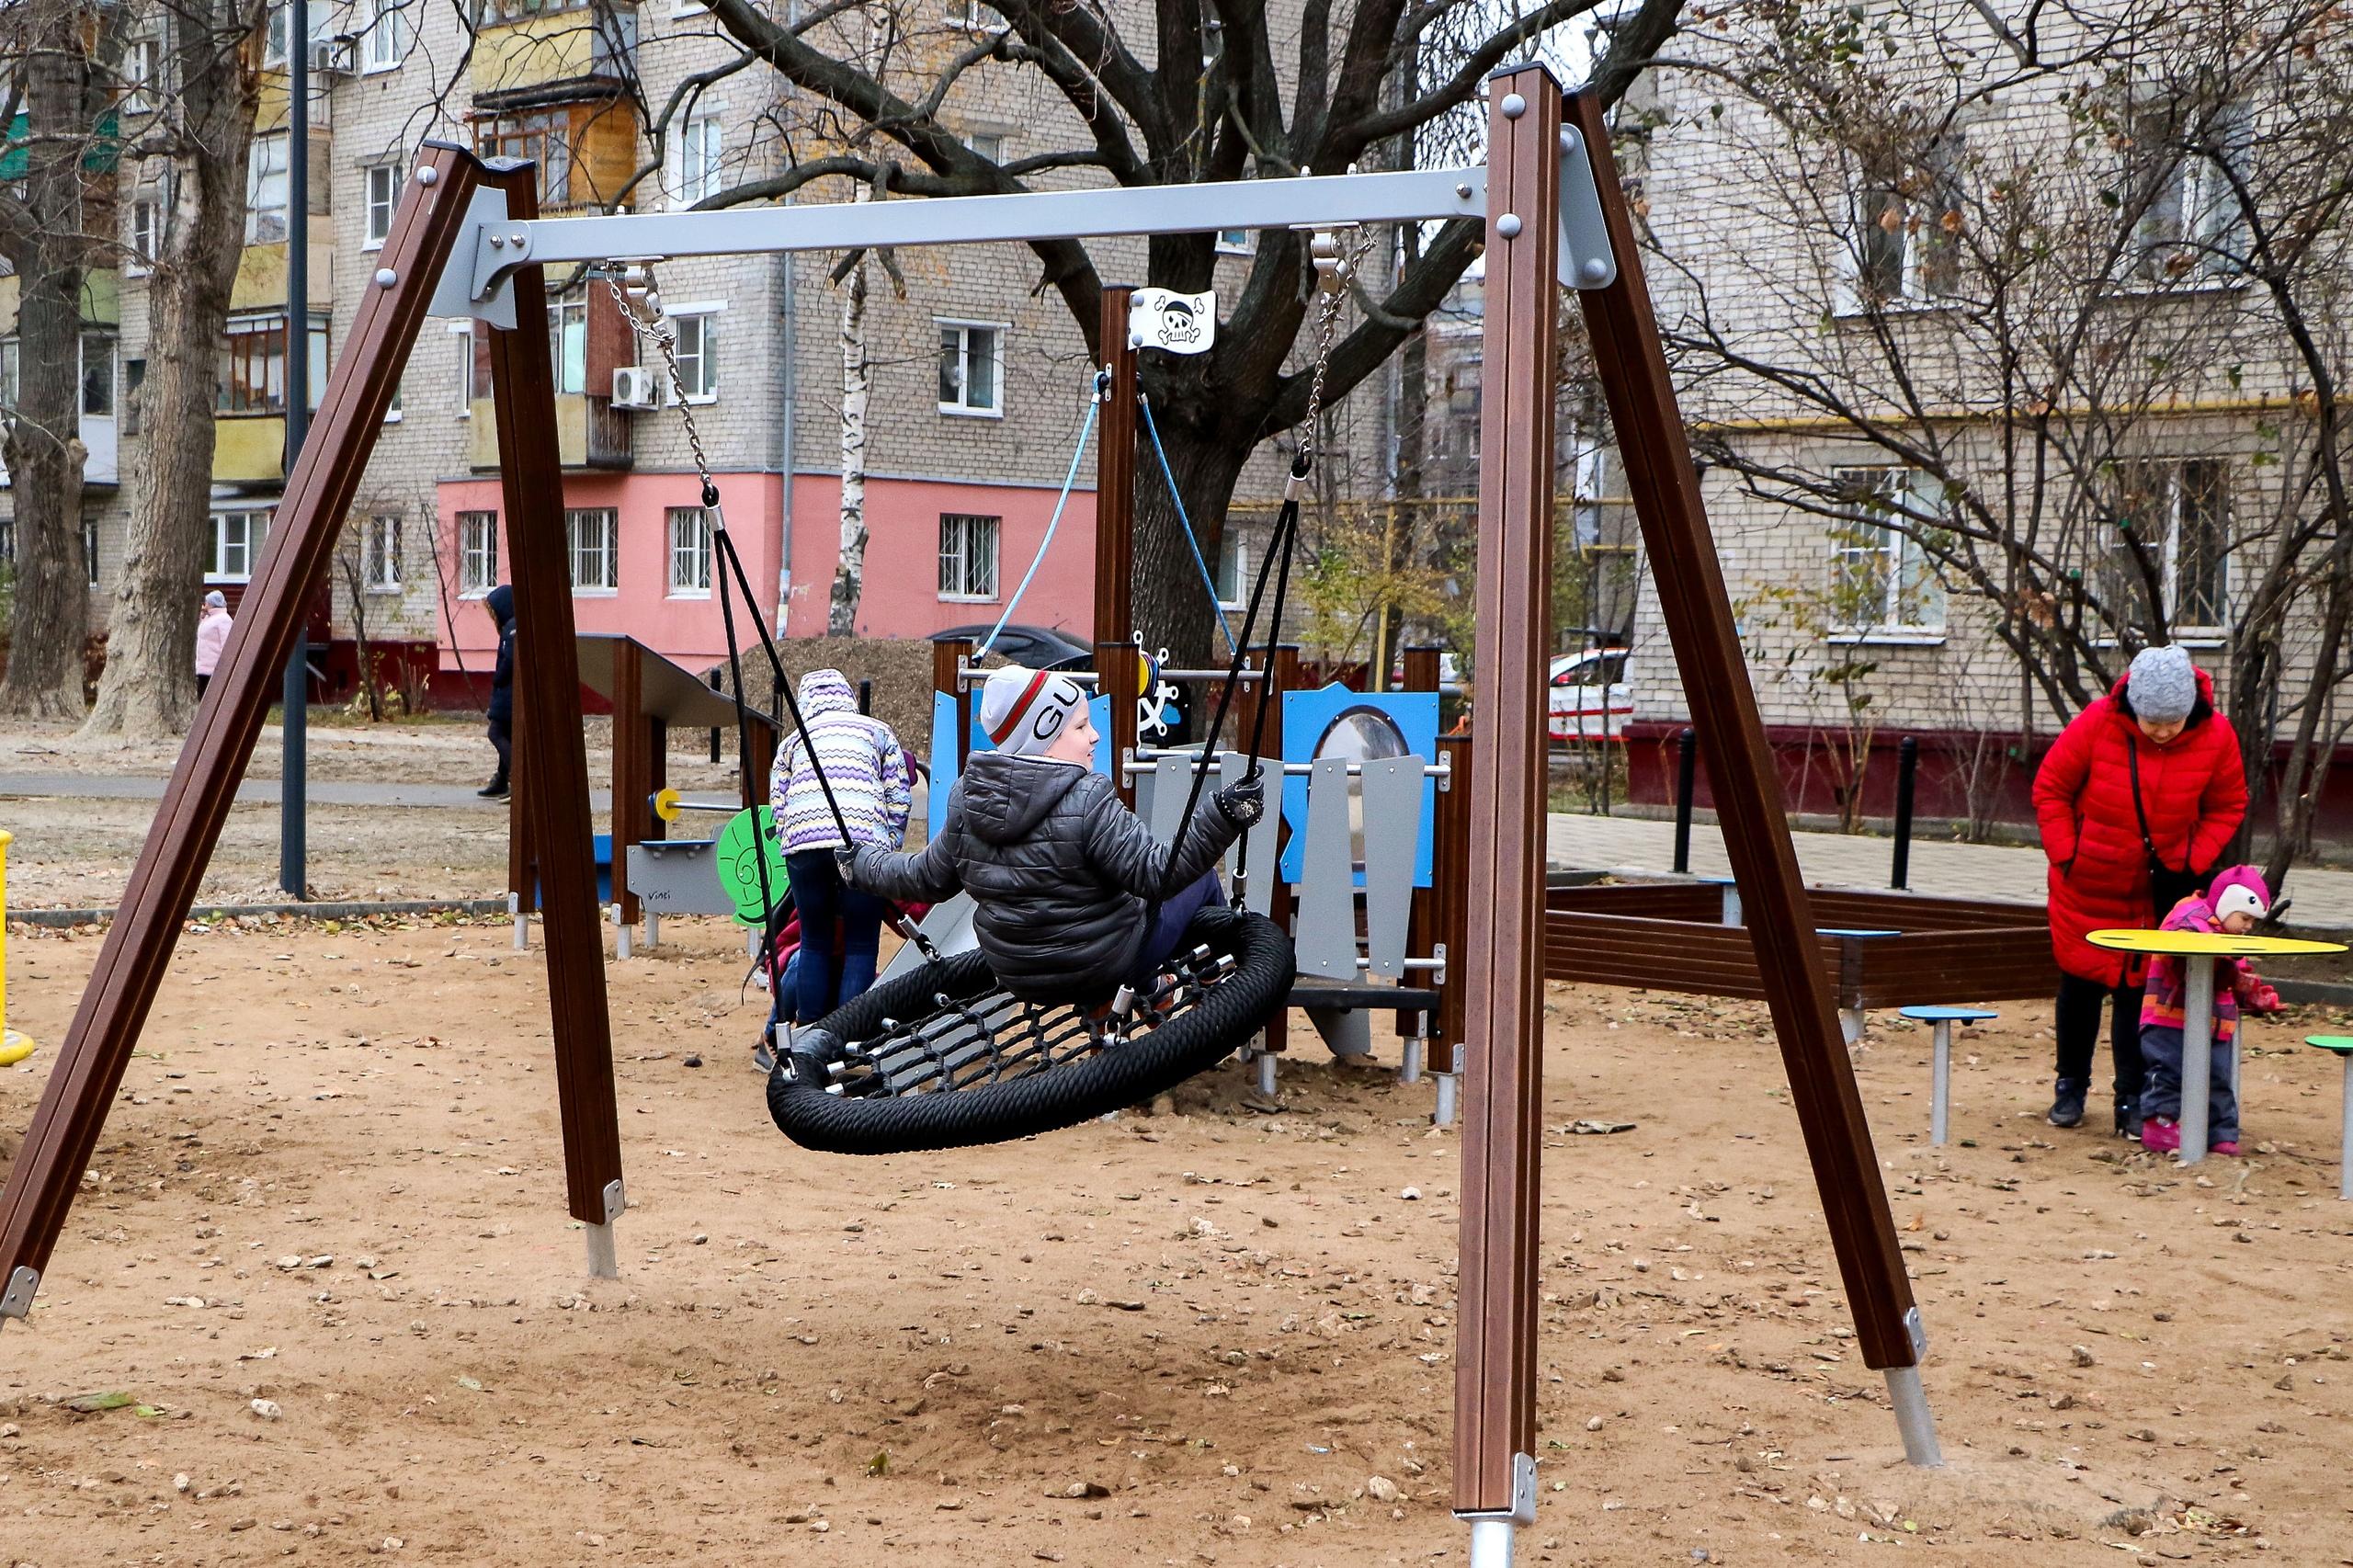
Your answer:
<point x="844" y="857"/>
<point x="1244" y="800"/>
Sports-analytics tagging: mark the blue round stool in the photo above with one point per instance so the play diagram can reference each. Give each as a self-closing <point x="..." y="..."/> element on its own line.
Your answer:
<point x="1943" y="1019"/>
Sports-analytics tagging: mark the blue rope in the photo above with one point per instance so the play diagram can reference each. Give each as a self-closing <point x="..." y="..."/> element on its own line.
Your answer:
<point x="1070" y="479"/>
<point x="1185" y="524"/>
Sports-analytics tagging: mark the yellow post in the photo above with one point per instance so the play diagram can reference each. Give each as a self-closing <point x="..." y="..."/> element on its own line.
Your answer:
<point x="13" y="1046"/>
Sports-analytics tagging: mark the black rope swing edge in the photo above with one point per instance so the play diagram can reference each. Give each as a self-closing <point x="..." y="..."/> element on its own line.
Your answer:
<point x="1060" y="1095"/>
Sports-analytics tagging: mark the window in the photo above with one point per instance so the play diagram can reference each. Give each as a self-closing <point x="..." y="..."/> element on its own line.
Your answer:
<point x="689" y="552"/>
<point x="974" y="17"/>
<point x="387" y="39"/>
<point x="2172" y="523"/>
<point x="9" y="363"/>
<point x="251" y="377"/>
<point x="1908" y="227"/>
<point x="380" y="554"/>
<point x="967" y="557"/>
<point x="697" y="351"/>
<point x="273" y="49"/>
<point x="1236" y="242"/>
<point x="148" y="212"/>
<point x="134" y="376"/>
<point x="98" y="375"/>
<point x="972" y="368"/>
<point x="477" y="552"/>
<point x="1884" y="576"/>
<point x="392" y="409"/>
<point x="9" y="540"/>
<point x="2181" y="160"/>
<point x="1233" y="573"/>
<point x="593" y="535"/>
<point x="90" y="550"/>
<point x="383" y="196"/>
<point x="544" y="137"/>
<point x="473" y="364"/>
<point x="142" y="74"/>
<point x="568" y="342"/>
<point x="701" y="147"/>
<point x="989" y="144"/>
<point x="265" y="189"/>
<point x="236" y="545"/>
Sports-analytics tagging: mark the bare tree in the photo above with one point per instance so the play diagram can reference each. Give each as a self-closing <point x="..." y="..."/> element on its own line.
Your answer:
<point x="2067" y="304"/>
<point x="62" y="52"/>
<point x="192" y="148"/>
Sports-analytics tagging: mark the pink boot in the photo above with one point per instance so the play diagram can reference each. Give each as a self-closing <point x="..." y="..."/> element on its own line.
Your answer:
<point x="2159" y="1136"/>
<point x="2229" y="1147"/>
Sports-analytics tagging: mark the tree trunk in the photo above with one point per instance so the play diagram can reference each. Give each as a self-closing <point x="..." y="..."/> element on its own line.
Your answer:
<point x="1173" y="607"/>
<point x="44" y="451"/>
<point x="149" y="686"/>
<point x="849" y="571"/>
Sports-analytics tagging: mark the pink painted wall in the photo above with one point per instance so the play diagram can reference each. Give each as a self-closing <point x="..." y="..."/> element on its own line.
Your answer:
<point x="902" y="593"/>
<point x="688" y="630"/>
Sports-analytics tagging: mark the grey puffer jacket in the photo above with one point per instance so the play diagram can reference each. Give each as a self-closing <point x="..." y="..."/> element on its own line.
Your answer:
<point x="1060" y="871"/>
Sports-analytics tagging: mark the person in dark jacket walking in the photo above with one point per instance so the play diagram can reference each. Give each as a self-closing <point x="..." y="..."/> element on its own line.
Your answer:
<point x="500" y="602"/>
<point x="1065" y="879"/>
<point x="2142" y="787"/>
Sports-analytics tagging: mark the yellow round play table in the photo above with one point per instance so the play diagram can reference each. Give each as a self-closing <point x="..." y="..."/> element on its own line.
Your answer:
<point x="2198" y="1010"/>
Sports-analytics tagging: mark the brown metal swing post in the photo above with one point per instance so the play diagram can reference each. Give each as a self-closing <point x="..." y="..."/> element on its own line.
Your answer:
<point x="553" y="760"/>
<point x="137" y="948"/>
<point x="1780" y="916"/>
<point x="1115" y="533"/>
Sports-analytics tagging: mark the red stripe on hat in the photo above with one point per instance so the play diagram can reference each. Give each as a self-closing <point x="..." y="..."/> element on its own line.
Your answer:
<point x="1020" y="706"/>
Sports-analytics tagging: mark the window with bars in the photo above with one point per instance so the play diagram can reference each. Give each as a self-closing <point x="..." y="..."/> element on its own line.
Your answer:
<point x="2172" y="524"/>
<point x="381" y="554"/>
<point x="1883" y="575"/>
<point x="383" y="197"/>
<point x="968" y="547"/>
<point x="594" y="536"/>
<point x="689" y="552"/>
<point x="236" y="545"/>
<point x="477" y="553"/>
<point x="972" y="368"/>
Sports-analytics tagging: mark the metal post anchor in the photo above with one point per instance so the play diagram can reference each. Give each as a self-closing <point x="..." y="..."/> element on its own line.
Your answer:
<point x="1912" y="1418"/>
<point x="17" y="1300"/>
<point x="1491" y="1534"/>
<point x="602" y="1262"/>
<point x="522" y="925"/>
<point x="1449" y="1098"/>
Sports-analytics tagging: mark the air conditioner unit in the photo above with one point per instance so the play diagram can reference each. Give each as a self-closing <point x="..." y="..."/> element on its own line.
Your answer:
<point x="331" y="56"/>
<point x="634" y="388"/>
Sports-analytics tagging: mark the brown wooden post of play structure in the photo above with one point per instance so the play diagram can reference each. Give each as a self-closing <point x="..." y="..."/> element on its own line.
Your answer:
<point x="1115" y="534"/>
<point x="547" y="687"/>
<point x="1451" y="915"/>
<point x="138" y="948"/>
<point x="1681" y="550"/>
<point x="947" y="658"/>
<point x="1501" y="974"/>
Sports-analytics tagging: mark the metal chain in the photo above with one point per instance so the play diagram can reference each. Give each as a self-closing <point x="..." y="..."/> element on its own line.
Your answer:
<point x="1332" y="289"/>
<point x="664" y="333"/>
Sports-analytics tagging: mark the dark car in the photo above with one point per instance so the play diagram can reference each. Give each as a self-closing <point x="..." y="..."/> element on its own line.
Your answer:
<point x="1038" y="647"/>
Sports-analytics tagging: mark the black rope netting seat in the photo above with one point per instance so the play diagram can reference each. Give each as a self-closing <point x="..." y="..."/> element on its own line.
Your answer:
<point x="941" y="1058"/>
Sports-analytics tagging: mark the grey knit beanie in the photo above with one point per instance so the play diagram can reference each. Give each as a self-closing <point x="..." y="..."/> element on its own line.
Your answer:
<point x="2162" y="684"/>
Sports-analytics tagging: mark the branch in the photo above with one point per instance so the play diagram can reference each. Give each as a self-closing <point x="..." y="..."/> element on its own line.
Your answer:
<point x="1357" y="356"/>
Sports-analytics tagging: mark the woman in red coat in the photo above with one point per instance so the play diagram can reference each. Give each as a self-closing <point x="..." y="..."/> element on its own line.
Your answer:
<point x="2158" y="723"/>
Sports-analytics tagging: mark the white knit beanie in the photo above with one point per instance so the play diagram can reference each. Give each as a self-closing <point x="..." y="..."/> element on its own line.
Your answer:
<point x="1022" y="709"/>
<point x="2162" y="684"/>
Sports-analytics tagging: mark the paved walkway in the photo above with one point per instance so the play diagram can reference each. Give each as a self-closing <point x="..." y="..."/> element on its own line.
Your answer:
<point x="257" y="791"/>
<point x="2322" y="899"/>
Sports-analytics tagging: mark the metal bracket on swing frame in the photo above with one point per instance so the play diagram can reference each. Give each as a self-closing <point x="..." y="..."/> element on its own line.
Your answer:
<point x="492" y="246"/>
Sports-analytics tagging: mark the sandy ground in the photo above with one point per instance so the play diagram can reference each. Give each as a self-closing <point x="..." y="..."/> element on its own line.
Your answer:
<point x="333" y="1184"/>
<point x="77" y="853"/>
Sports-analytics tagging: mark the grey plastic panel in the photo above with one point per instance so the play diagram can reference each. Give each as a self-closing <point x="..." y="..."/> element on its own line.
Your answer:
<point x="677" y="877"/>
<point x="1172" y="782"/>
<point x="1326" y="936"/>
<point x="949" y="926"/>
<point x="1392" y="817"/>
<point x="1265" y="841"/>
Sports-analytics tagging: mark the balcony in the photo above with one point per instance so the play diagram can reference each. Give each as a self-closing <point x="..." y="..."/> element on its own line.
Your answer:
<point x="531" y="54"/>
<point x="249" y="449"/>
<point x="589" y="433"/>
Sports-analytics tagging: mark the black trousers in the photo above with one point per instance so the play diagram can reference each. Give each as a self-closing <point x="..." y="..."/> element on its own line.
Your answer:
<point x="2078" y="1017"/>
<point x="503" y="740"/>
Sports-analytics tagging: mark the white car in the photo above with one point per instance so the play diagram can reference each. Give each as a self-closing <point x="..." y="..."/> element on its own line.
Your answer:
<point x="1591" y="696"/>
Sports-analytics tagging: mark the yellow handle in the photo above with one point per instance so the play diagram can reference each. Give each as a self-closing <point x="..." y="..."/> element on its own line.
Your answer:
<point x="665" y="804"/>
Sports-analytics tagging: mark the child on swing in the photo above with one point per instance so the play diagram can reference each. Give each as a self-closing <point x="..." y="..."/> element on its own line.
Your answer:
<point x="2233" y="903"/>
<point x="1074" y="897"/>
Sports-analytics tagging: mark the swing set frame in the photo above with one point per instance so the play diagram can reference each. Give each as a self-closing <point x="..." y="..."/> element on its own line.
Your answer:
<point x="467" y="241"/>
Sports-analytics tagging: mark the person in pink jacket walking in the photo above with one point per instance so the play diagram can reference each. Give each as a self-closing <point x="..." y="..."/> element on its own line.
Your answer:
<point x="211" y="636"/>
